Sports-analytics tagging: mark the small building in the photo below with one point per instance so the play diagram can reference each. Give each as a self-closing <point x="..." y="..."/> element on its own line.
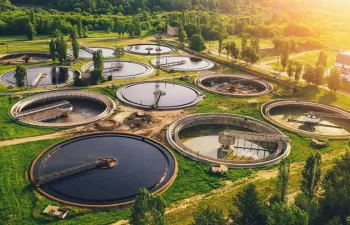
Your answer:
<point x="172" y="31"/>
<point x="55" y="211"/>
<point x="343" y="64"/>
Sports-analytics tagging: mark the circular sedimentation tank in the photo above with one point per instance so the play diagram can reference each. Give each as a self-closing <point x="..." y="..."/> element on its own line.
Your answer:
<point x="103" y="169"/>
<point x="149" y="49"/>
<point x="234" y="85"/>
<point x="159" y="95"/>
<point x="43" y="76"/>
<point x="204" y="137"/>
<point x="122" y="69"/>
<point x="25" y="58"/>
<point x="87" y="52"/>
<point x="62" y="109"/>
<point x="309" y="118"/>
<point x="184" y="63"/>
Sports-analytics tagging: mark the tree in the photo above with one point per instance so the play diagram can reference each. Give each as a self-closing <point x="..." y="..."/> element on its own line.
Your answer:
<point x="147" y="209"/>
<point x="61" y="49"/>
<point x="234" y="50"/>
<point x="249" y="55"/>
<point x="222" y="35"/>
<point x="76" y="47"/>
<point x="250" y="208"/>
<point x="311" y="175"/>
<point x="209" y="216"/>
<point x="182" y="34"/>
<point x="73" y="34"/>
<point x="285" y="51"/>
<point x="197" y="43"/>
<point x="120" y="27"/>
<point x="192" y="29"/>
<point x="32" y="17"/>
<point x="244" y="42"/>
<point x="255" y="44"/>
<point x="335" y="200"/>
<point x="53" y="50"/>
<point x="309" y="74"/>
<point x="137" y="28"/>
<point x="130" y="29"/>
<point x="322" y="59"/>
<point x="282" y="214"/>
<point x="20" y="75"/>
<point x="298" y="70"/>
<point x="282" y="182"/>
<point x="334" y="80"/>
<point x="80" y="28"/>
<point x="30" y="31"/>
<point x="97" y="58"/>
<point x="319" y="75"/>
<point x="291" y="69"/>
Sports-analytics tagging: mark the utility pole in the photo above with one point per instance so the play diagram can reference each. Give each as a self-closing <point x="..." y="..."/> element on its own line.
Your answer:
<point x="158" y="38"/>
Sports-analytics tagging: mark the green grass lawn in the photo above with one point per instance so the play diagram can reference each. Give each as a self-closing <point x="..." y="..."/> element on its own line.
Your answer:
<point x="10" y="129"/>
<point x="309" y="58"/>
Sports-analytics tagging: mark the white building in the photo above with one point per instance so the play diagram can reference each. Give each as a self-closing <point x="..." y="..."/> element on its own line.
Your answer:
<point x="343" y="64"/>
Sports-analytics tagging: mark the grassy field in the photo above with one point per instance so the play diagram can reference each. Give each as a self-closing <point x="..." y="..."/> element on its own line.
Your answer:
<point x="308" y="58"/>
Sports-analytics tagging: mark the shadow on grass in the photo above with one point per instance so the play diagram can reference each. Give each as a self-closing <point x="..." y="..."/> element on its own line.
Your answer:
<point x="328" y="98"/>
<point x="308" y="92"/>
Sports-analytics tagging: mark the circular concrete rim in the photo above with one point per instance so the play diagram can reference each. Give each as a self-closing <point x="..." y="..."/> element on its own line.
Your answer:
<point x="173" y="130"/>
<point x="70" y="81"/>
<point x="159" y="191"/>
<point x="26" y="52"/>
<point x="268" y="86"/>
<point x="109" y="103"/>
<point x="211" y="63"/>
<point x="265" y="108"/>
<point x="139" y="53"/>
<point x="119" y="94"/>
<point x="148" y="72"/>
<point x="109" y="48"/>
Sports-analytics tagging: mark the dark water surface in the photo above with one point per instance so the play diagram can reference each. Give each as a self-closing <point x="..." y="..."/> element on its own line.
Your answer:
<point x="140" y="163"/>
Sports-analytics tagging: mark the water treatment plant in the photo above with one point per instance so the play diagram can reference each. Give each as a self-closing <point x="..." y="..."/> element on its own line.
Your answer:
<point x="310" y="118"/>
<point x="62" y="108"/>
<point x="43" y="76"/>
<point x="159" y="95"/>
<point x="234" y="85"/>
<point x="232" y="140"/>
<point x="149" y="49"/>
<point x="102" y="175"/>
<point x="183" y="63"/>
<point x="122" y="69"/>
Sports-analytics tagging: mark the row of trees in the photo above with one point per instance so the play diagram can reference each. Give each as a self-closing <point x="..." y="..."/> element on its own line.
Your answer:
<point x="329" y="207"/>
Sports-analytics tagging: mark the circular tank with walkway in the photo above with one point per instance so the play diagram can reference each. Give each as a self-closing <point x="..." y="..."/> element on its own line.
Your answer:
<point x="234" y="85"/>
<point x="43" y="76"/>
<point x="62" y="108"/>
<point x="149" y="49"/>
<point x="183" y="63"/>
<point x="122" y="69"/>
<point x="159" y="95"/>
<point x="87" y="52"/>
<point x="25" y="58"/>
<point x="235" y="141"/>
<point x="309" y="118"/>
<point x="103" y="169"/>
